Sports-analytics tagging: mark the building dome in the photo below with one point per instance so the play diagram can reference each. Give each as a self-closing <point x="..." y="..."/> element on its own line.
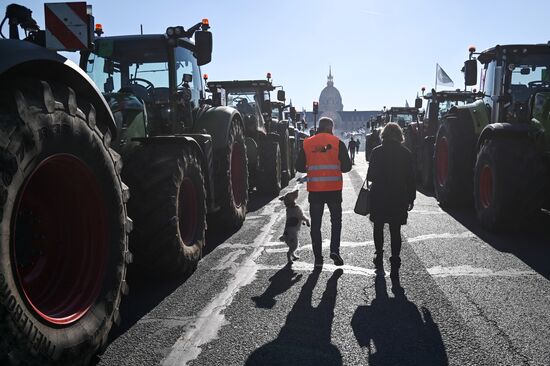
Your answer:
<point x="330" y="99"/>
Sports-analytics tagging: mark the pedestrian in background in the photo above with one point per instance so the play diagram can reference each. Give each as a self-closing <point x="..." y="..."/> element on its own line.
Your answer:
<point x="357" y="143"/>
<point x="351" y="148"/>
<point x="324" y="158"/>
<point x="393" y="192"/>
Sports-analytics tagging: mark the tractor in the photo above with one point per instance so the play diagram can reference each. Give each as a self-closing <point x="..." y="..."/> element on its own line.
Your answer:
<point x="63" y="218"/>
<point x="184" y="160"/>
<point x="423" y="133"/>
<point x="267" y="139"/>
<point x="495" y="151"/>
<point x="278" y="116"/>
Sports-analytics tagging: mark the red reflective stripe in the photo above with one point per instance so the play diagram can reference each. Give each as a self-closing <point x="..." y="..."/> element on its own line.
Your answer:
<point x="61" y="32"/>
<point x="80" y="10"/>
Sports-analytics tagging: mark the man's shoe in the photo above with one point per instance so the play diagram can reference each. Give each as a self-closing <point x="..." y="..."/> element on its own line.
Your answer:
<point x="338" y="261"/>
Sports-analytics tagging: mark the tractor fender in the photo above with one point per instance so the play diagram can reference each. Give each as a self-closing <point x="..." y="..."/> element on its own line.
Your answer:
<point x="32" y="61"/>
<point x="216" y="122"/>
<point x="503" y="129"/>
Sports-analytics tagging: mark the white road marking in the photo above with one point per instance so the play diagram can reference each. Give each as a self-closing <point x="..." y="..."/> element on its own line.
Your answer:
<point x="327" y="267"/>
<point x="464" y="235"/>
<point x="467" y="270"/>
<point x="326" y="243"/>
<point x="207" y="324"/>
<point x="428" y="212"/>
<point x="229" y="259"/>
<point x="233" y="246"/>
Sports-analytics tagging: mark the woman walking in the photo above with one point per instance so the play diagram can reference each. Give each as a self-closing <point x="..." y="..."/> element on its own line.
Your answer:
<point x="393" y="192"/>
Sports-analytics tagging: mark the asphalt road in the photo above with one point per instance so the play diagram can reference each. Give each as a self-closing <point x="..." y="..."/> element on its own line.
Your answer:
<point x="465" y="297"/>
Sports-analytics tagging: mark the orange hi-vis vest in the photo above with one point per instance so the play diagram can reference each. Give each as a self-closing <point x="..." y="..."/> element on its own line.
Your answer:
<point x="322" y="163"/>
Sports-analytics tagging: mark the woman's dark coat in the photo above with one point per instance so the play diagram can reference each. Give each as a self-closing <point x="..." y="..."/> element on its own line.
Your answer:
<point x="391" y="172"/>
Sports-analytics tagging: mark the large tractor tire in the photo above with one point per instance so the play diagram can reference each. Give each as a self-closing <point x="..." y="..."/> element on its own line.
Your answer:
<point x="63" y="226"/>
<point x="509" y="183"/>
<point x="453" y="162"/>
<point x="293" y="156"/>
<point x="281" y="129"/>
<point x="270" y="183"/>
<point x="168" y="206"/>
<point x="426" y="170"/>
<point x="231" y="178"/>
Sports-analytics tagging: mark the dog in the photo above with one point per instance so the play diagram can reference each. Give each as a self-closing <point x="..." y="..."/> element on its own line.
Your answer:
<point x="294" y="219"/>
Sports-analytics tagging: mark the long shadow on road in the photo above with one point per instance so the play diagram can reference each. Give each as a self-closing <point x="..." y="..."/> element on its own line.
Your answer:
<point x="305" y="339"/>
<point x="531" y="243"/>
<point x="393" y="331"/>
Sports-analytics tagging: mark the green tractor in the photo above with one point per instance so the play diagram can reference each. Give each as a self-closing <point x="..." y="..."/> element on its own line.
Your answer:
<point x="496" y="150"/>
<point x="183" y="159"/>
<point x="267" y="138"/>
<point x="405" y="117"/>
<point x="423" y="133"/>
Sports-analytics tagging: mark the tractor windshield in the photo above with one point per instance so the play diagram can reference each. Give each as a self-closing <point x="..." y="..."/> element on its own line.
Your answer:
<point x="403" y="119"/>
<point x="446" y="105"/>
<point x="140" y="64"/>
<point x="526" y="74"/>
<point x="244" y="101"/>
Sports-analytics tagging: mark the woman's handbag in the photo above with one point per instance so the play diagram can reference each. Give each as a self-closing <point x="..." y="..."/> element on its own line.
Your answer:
<point x="362" y="205"/>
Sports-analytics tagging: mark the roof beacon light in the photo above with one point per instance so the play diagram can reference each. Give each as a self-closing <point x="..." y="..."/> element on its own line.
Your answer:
<point x="170" y="31"/>
<point x="98" y="29"/>
<point x="472" y="49"/>
<point x="268" y="76"/>
<point x="205" y="77"/>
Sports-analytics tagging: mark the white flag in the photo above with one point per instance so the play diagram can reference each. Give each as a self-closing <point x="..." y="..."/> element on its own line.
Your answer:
<point x="406" y="103"/>
<point x="442" y="77"/>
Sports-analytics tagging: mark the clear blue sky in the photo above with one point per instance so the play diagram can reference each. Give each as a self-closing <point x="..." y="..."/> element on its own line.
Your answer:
<point x="381" y="51"/>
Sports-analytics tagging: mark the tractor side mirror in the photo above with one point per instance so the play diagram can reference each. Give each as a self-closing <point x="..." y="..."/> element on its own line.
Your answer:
<point x="470" y="72"/>
<point x="281" y="95"/>
<point x="418" y="103"/>
<point x="203" y="47"/>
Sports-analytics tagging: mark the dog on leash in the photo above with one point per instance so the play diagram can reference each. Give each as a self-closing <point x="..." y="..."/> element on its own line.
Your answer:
<point x="294" y="219"/>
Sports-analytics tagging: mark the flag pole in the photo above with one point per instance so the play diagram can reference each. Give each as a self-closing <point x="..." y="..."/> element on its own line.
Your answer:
<point x="436" y="65"/>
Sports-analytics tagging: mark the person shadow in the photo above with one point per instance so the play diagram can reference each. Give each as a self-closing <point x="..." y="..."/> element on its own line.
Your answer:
<point x="394" y="331"/>
<point x="280" y="282"/>
<point x="305" y="338"/>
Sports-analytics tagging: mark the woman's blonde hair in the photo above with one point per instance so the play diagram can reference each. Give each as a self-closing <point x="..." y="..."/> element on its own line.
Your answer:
<point x="392" y="132"/>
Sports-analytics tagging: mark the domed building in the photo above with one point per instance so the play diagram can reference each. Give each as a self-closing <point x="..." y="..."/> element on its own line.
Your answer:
<point x="330" y="105"/>
<point x="330" y="98"/>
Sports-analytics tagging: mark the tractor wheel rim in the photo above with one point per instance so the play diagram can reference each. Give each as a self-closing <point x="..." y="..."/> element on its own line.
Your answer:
<point x="486" y="186"/>
<point x="188" y="211"/>
<point x="237" y="174"/>
<point x="442" y="161"/>
<point x="60" y="247"/>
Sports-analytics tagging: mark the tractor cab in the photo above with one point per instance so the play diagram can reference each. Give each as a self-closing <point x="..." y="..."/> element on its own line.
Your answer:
<point x="403" y="116"/>
<point x="516" y="81"/>
<point x="151" y="82"/>
<point x="252" y="98"/>
<point x="440" y="103"/>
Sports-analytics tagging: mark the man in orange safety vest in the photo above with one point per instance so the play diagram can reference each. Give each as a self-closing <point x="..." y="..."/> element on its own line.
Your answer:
<point x="324" y="158"/>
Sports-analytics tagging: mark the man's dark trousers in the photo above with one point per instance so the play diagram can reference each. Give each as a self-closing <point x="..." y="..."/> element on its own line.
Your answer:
<point x="316" y="212"/>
